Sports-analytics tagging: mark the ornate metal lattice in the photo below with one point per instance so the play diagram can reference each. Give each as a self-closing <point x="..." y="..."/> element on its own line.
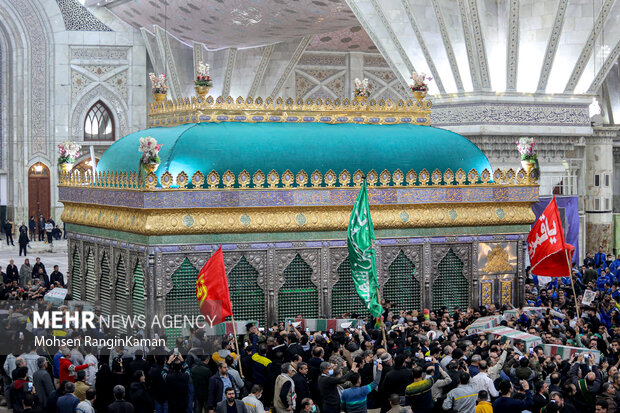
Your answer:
<point x="91" y="279"/>
<point x="105" y="287"/>
<point x="451" y="288"/>
<point x="248" y="298"/>
<point x="298" y="295"/>
<point x="182" y="298"/>
<point x="344" y="296"/>
<point x="402" y="288"/>
<point x="76" y="277"/>
<point x="138" y="294"/>
<point x="120" y="291"/>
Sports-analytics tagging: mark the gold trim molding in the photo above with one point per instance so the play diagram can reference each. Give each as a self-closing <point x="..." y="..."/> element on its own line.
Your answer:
<point x="215" y="180"/>
<point x="292" y="219"/>
<point x="193" y="110"/>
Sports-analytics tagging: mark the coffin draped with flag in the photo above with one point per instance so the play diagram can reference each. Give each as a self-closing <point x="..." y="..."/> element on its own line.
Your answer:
<point x="547" y="248"/>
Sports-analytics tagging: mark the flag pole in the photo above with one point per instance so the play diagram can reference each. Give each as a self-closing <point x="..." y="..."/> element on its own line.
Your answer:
<point x="572" y="282"/>
<point x="381" y="323"/>
<point x="232" y="319"/>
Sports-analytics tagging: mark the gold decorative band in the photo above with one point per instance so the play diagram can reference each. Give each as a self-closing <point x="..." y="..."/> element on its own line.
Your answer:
<point x="292" y="219"/>
<point x="194" y="110"/>
<point x="316" y="179"/>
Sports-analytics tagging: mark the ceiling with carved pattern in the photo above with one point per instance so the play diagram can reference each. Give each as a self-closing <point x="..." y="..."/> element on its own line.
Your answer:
<point x="237" y="23"/>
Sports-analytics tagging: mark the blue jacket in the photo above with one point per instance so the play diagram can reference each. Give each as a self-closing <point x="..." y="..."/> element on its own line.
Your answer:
<point x="67" y="403"/>
<point x="56" y="364"/>
<point x="614" y="266"/>
<point x="600" y="282"/>
<point x="599" y="258"/>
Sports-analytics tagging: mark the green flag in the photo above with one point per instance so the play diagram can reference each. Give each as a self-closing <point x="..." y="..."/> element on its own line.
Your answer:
<point x="360" y="236"/>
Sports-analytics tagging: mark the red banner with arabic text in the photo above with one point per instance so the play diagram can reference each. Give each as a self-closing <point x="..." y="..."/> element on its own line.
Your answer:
<point x="546" y="245"/>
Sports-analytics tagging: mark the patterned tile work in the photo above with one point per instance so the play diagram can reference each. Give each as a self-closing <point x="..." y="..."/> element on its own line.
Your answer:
<point x="307" y="197"/>
<point x="78" y="18"/>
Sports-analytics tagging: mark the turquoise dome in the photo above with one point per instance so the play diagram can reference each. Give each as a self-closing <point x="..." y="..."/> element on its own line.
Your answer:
<point x="238" y="146"/>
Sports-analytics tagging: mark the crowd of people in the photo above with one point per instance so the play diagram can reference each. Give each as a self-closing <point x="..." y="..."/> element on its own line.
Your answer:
<point x="29" y="281"/>
<point x="45" y="230"/>
<point x="405" y="361"/>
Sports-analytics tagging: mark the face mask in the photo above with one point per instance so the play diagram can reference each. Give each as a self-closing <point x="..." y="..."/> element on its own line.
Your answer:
<point x="313" y="409"/>
<point x="259" y="396"/>
<point x="331" y="372"/>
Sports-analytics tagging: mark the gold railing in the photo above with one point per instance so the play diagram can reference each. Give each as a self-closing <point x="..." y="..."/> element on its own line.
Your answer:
<point x="316" y="179"/>
<point x="195" y="110"/>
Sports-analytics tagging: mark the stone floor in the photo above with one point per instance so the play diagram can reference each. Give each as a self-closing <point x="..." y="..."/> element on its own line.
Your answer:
<point x="55" y="254"/>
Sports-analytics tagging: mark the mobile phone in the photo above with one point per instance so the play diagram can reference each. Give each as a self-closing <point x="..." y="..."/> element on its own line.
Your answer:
<point x="531" y="351"/>
<point x="21" y="335"/>
<point x="156" y="335"/>
<point x="307" y="329"/>
<point x="359" y="326"/>
<point x="290" y="322"/>
<point x="261" y="329"/>
<point x="230" y="335"/>
<point x="245" y="344"/>
<point x="586" y="356"/>
<point x="324" y="335"/>
<point x="176" y="351"/>
<point x="331" y="331"/>
<point x="29" y="386"/>
<point x="379" y="361"/>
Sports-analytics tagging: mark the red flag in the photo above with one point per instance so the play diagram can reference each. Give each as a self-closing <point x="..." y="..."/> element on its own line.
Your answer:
<point x="546" y="245"/>
<point x="212" y="289"/>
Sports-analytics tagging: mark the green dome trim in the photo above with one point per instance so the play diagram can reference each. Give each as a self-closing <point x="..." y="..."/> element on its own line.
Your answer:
<point x="237" y="146"/>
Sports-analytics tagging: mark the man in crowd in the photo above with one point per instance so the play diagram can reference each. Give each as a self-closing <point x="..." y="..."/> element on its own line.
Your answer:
<point x="230" y="404"/>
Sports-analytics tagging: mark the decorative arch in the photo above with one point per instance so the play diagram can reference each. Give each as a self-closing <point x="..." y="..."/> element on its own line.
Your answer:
<point x="117" y="107"/>
<point x="99" y="123"/>
<point x="90" y="277"/>
<point x="451" y="287"/>
<point x="105" y="286"/>
<point x="344" y="293"/>
<point x="298" y="295"/>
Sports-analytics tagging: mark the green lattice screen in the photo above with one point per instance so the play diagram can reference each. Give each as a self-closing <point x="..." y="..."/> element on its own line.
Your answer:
<point x="298" y="295"/>
<point x="91" y="278"/>
<point x="76" y="277"/>
<point x="402" y="288"/>
<point x="344" y="295"/>
<point x="120" y="291"/>
<point x="451" y="288"/>
<point x="105" y="287"/>
<point x="248" y="298"/>
<point x="138" y="295"/>
<point x="182" y="298"/>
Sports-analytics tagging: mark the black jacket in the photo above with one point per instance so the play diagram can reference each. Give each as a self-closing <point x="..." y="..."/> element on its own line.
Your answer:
<point x="12" y="272"/>
<point x="35" y="269"/>
<point x="216" y="390"/>
<point x="328" y="389"/>
<point x="157" y="384"/>
<point x="140" y="398"/>
<point x="200" y="377"/>
<point x="58" y="277"/>
<point x="396" y="381"/>
<point x="302" y="388"/>
<point x="120" y="406"/>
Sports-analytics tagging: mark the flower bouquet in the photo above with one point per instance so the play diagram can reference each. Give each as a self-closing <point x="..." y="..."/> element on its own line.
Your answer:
<point x="150" y="153"/>
<point x="361" y="90"/>
<point x="420" y="85"/>
<point x="203" y="82"/>
<point x="159" y="86"/>
<point x="68" y="151"/>
<point x="529" y="158"/>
